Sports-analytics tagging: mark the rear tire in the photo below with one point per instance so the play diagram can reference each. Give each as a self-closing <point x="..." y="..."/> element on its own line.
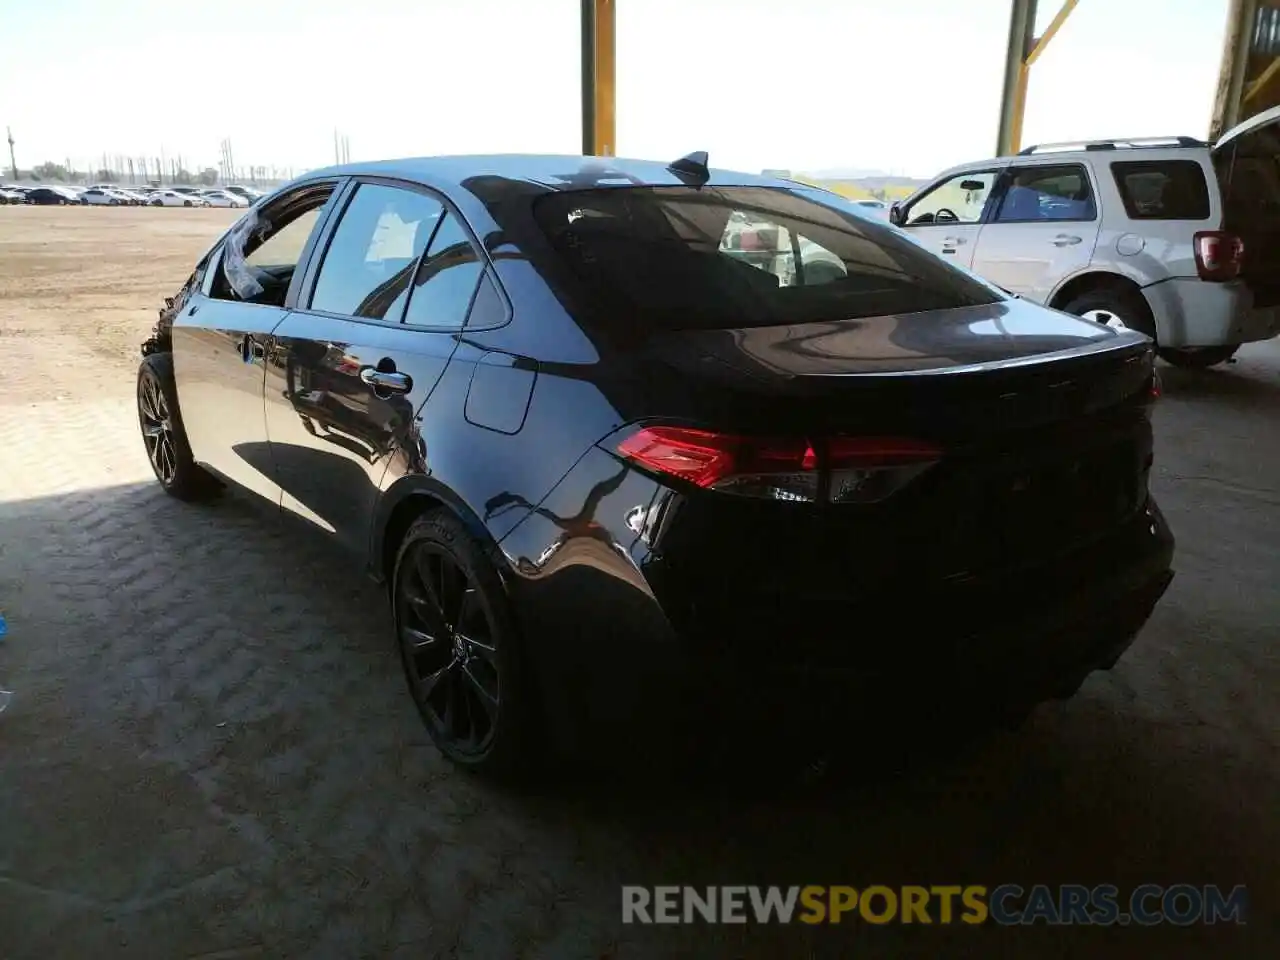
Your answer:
<point x="1115" y="307"/>
<point x="163" y="434"/>
<point x="461" y="650"/>
<point x="1198" y="358"/>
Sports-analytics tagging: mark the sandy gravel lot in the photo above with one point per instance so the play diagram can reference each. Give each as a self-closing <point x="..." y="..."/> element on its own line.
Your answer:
<point x="209" y="752"/>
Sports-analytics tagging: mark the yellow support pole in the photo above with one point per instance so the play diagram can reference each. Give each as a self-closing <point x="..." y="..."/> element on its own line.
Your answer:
<point x="1023" y="50"/>
<point x="606" y="141"/>
<point x="1051" y="31"/>
<point x="1264" y="78"/>
<point x="598" y="73"/>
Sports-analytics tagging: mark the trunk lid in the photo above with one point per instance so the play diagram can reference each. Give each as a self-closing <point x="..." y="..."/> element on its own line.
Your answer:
<point x="1042" y="419"/>
<point x="951" y="375"/>
<point x="1247" y="161"/>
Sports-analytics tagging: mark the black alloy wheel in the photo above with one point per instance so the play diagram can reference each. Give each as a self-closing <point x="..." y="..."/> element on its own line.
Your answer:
<point x="157" y="430"/>
<point x="163" y="435"/>
<point x="458" y="648"/>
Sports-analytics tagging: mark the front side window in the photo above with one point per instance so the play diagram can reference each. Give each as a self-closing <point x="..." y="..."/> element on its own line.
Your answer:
<point x="261" y="253"/>
<point x="367" y="269"/>
<point x="1047" y="193"/>
<point x="958" y="199"/>
<point x="656" y="258"/>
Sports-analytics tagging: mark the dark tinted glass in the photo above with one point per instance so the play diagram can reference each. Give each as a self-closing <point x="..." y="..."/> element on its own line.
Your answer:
<point x="488" y="309"/>
<point x="371" y="258"/>
<point x="446" y="280"/>
<point x="684" y="258"/>
<point x="1047" y="193"/>
<point x="1162" y="189"/>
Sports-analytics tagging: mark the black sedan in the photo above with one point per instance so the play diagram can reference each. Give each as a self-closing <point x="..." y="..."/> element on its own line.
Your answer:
<point x="52" y="196"/>
<point x="639" y="446"/>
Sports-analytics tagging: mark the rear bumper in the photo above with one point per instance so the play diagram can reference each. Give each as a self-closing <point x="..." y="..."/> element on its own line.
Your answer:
<point x="633" y="670"/>
<point x="1193" y="313"/>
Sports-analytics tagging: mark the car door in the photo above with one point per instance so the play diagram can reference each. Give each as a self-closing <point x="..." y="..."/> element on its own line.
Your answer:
<point x="947" y="218"/>
<point x="1043" y="229"/>
<point x="352" y="368"/>
<point x="219" y="337"/>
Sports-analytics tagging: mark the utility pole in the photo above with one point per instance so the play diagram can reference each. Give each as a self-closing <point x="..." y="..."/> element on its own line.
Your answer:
<point x="13" y="163"/>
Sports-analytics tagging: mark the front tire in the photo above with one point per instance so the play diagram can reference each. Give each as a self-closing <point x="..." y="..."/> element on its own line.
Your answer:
<point x="186" y="203"/>
<point x="460" y="649"/>
<point x="1198" y="358"/>
<point x="163" y="434"/>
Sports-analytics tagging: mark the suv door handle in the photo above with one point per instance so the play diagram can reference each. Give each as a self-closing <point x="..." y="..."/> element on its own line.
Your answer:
<point x="1065" y="240"/>
<point x="389" y="381"/>
<point x="954" y="241"/>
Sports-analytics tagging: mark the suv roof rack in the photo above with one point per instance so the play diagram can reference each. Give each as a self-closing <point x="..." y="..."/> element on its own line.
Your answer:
<point x="1125" y="143"/>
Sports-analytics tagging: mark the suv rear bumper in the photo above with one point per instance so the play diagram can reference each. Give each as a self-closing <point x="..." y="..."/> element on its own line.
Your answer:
<point x="1194" y="313"/>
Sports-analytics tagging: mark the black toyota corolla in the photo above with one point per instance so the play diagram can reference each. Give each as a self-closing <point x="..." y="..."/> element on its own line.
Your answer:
<point x="637" y="447"/>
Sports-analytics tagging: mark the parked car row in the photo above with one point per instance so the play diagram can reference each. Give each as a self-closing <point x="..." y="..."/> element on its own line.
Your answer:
<point x="115" y="195"/>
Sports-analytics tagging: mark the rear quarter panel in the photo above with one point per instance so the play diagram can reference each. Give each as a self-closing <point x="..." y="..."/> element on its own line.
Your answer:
<point x="1149" y="251"/>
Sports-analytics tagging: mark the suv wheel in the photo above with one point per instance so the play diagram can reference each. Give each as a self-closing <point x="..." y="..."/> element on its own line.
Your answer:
<point x="1199" y="358"/>
<point x="1114" y="307"/>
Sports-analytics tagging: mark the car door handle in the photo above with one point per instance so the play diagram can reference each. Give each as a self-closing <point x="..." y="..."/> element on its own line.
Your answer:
<point x="953" y="242"/>
<point x="1065" y="240"/>
<point x="252" y="349"/>
<point x="390" y="381"/>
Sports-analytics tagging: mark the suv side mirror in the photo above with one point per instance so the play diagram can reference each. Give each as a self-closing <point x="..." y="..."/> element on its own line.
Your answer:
<point x="897" y="215"/>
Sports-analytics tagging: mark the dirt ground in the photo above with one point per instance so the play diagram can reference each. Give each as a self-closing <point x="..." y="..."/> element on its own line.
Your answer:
<point x="209" y="751"/>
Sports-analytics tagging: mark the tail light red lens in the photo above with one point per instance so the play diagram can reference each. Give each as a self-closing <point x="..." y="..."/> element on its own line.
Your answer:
<point x="838" y="469"/>
<point x="1219" y="255"/>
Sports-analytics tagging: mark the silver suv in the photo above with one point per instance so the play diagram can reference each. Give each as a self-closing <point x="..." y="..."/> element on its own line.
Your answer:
<point x="1175" y="237"/>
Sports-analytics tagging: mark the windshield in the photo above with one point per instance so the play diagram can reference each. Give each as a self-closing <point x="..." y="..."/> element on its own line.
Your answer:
<point x="713" y="258"/>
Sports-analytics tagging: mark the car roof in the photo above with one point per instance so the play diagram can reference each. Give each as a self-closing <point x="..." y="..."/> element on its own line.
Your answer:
<point x="553" y="171"/>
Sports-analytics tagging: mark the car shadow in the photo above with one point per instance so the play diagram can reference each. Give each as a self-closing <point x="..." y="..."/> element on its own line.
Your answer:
<point x="219" y="671"/>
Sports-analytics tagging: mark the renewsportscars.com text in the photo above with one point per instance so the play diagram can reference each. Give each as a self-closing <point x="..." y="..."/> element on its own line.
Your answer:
<point x="1008" y="904"/>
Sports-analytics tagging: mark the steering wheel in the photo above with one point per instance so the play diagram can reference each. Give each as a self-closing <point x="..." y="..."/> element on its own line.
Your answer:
<point x="945" y="215"/>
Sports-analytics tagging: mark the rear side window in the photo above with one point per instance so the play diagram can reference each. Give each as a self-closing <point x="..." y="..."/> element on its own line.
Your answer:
<point x="669" y="258"/>
<point x="1162" y="189"/>
<point x="1047" y="193"/>
<point x="373" y="253"/>
<point x="446" y="280"/>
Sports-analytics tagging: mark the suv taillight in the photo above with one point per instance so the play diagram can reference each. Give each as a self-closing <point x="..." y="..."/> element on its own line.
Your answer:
<point x="1219" y="255"/>
<point x="853" y="469"/>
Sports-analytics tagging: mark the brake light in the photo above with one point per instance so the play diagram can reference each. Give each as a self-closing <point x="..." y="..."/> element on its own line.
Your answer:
<point x="838" y="469"/>
<point x="1219" y="255"/>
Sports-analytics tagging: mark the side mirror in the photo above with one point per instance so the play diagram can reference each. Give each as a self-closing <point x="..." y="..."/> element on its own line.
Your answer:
<point x="897" y="216"/>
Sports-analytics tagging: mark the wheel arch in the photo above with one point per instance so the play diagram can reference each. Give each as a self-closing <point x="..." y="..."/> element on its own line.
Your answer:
<point x="1092" y="280"/>
<point x="406" y="500"/>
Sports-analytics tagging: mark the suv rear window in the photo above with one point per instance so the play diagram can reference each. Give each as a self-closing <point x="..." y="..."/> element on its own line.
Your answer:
<point x="1162" y="189"/>
<point x="671" y="258"/>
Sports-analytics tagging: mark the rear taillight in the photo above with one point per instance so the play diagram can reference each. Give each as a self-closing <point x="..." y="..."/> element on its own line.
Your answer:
<point x="1219" y="256"/>
<point x="837" y="469"/>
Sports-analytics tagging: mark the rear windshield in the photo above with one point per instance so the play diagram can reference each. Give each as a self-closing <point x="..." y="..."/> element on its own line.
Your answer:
<point x="687" y="258"/>
<point x="1162" y="189"/>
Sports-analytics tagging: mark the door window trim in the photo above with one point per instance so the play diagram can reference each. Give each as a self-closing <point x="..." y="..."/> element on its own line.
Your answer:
<point x="1001" y="190"/>
<point x="307" y="289"/>
<point x="989" y="208"/>
<point x="290" y="297"/>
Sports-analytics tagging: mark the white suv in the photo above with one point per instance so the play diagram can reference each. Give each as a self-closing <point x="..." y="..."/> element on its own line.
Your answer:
<point x="1174" y="237"/>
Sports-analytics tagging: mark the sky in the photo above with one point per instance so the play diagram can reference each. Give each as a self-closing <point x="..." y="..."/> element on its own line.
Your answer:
<point x="900" y="86"/>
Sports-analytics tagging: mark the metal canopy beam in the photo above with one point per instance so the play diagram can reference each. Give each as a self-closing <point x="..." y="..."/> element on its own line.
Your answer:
<point x="598" y="97"/>
<point x="1024" y="49"/>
